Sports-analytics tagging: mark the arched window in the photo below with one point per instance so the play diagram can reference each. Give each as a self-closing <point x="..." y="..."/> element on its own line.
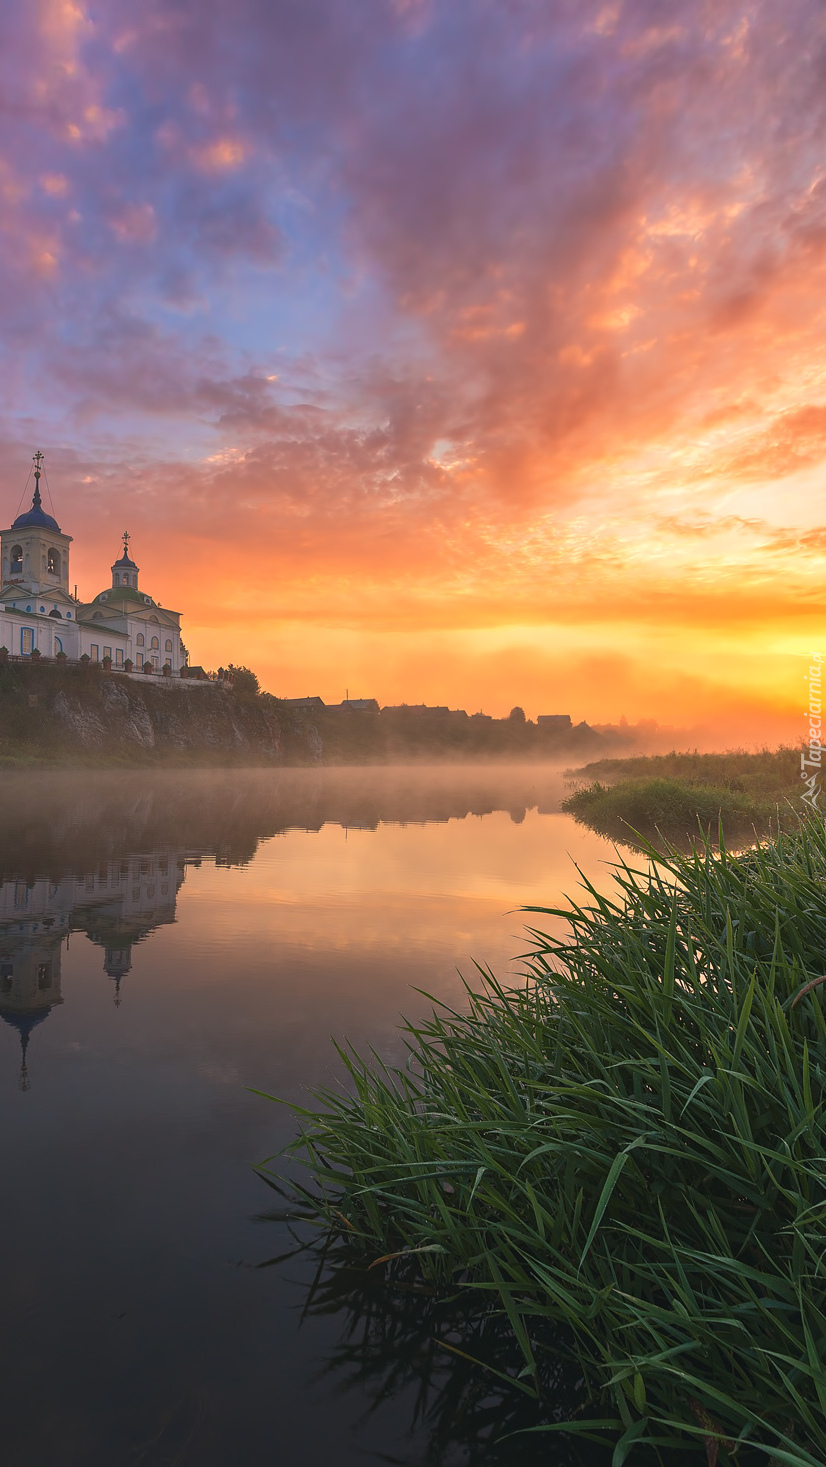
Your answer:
<point x="154" y="644"/>
<point x="140" y="639"/>
<point x="17" y="560"/>
<point x="116" y="579"/>
<point x="168" y="645"/>
<point x="53" y="562"/>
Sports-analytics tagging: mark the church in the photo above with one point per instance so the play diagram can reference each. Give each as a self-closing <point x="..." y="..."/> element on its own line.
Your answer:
<point x="39" y="616"/>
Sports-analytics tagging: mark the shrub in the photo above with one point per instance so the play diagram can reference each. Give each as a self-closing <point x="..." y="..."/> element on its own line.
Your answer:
<point x="245" y="683"/>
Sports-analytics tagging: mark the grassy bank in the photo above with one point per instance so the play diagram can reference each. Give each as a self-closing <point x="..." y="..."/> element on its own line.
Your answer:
<point x="671" y="793"/>
<point x="630" y="1146"/>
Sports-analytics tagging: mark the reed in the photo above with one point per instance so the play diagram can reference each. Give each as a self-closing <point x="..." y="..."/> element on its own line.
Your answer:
<point x="673" y="807"/>
<point x="630" y="1145"/>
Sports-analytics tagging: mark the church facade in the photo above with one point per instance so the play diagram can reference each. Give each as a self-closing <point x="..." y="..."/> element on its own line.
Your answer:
<point x="39" y="615"/>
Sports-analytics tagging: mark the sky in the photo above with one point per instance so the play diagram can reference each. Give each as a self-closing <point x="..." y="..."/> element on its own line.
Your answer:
<point x="457" y="351"/>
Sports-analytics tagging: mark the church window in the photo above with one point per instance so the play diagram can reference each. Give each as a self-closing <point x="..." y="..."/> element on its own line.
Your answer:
<point x="116" y="579"/>
<point x="53" y="563"/>
<point x="118" y="657"/>
<point x="97" y="616"/>
<point x="69" y="615"/>
<point x="58" y="645"/>
<point x="107" y="651"/>
<point x="168" y="645"/>
<point x="42" y="608"/>
<point x="94" y="652"/>
<point x="140" y="639"/>
<point x="44" y="976"/>
<point x="136" y="893"/>
<point x="17" y="560"/>
<point x="26" y="641"/>
<point x="155" y="643"/>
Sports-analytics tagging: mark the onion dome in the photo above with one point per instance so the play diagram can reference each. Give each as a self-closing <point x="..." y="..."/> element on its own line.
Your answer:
<point x="36" y="517"/>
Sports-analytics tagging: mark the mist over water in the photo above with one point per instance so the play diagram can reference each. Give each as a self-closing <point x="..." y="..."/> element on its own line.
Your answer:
<point x="167" y="943"/>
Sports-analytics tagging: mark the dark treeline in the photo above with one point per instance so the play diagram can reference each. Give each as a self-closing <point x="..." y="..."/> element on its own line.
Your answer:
<point x="396" y="736"/>
<point x="85" y="714"/>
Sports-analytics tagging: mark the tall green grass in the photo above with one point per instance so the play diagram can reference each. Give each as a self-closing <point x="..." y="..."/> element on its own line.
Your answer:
<point x="631" y="1145"/>
<point x="673" y="808"/>
<point x="772" y="774"/>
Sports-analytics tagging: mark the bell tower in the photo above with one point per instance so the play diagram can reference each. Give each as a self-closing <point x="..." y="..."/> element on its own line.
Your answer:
<point x="124" y="571"/>
<point x="34" y="552"/>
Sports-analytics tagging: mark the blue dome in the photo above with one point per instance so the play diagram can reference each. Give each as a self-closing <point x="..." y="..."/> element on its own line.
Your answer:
<point x="36" y="516"/>
<point x="24" y="1023"/>
<point x="124" y="560"/>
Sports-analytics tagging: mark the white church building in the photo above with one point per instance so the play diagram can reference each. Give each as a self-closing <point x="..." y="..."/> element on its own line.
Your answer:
<point x="39" y="615"/>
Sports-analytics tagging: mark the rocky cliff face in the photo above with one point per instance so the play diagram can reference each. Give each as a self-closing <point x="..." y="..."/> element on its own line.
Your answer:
<point x="106" y="714"/>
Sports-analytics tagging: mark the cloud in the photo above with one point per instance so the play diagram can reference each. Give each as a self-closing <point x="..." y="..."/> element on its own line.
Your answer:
<point x="469" y="311"/>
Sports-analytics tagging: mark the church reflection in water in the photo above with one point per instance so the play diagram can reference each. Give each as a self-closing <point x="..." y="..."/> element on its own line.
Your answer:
<point x="116" y="906"/>
<point x="131" y="847"/>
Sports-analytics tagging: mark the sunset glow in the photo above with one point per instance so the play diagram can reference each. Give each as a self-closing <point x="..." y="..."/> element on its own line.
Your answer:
<point x="467" y="353"/>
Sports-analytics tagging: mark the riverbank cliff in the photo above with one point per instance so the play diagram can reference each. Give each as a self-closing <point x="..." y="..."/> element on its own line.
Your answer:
<point x="90" y="716"/>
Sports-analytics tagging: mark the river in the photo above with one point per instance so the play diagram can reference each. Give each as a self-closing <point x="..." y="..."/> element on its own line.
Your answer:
<point x="169" y="945"/>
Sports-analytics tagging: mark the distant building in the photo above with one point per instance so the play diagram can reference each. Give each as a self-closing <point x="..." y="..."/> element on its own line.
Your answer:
<point x="347" y="705"/>
<point x="422" y="710"/>
<point x="313" y="705"/>
<point x="554" y="722"/>
<point x="355" y="705"/>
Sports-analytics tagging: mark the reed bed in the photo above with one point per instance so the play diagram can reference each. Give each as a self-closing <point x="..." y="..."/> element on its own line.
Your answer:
<point x="630" y="1145"/>
<point x="671" y="807"/>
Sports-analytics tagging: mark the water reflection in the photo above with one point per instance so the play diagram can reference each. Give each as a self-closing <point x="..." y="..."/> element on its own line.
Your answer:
<point x="446" y="1354"/>
<point x="113" y="876"/>
<point x="116" y="906"/>
<point x="255" y="915"/>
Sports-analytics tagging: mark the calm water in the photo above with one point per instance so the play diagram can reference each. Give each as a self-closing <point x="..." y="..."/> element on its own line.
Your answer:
<point x="166" y="943"/>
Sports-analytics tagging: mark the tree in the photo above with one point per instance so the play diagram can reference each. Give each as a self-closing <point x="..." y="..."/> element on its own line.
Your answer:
<point x="244" y="682"/>
<point x="517" y="715"/>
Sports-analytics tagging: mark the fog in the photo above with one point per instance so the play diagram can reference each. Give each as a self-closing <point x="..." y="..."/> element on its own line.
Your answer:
<point x="54" y="823"/>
